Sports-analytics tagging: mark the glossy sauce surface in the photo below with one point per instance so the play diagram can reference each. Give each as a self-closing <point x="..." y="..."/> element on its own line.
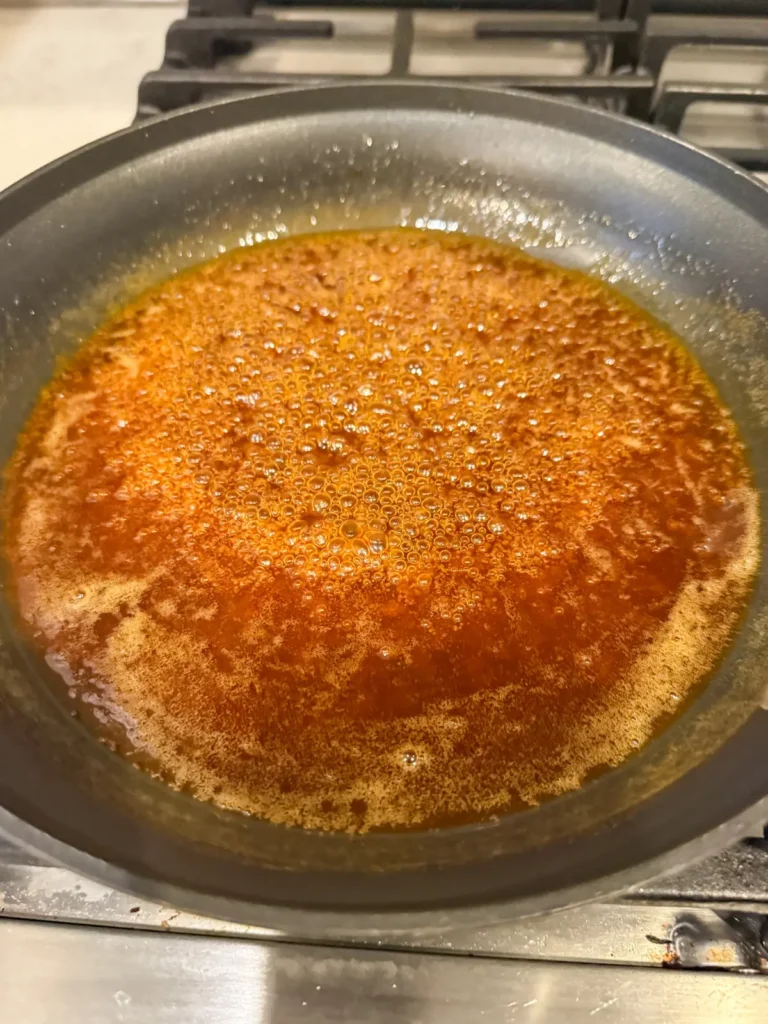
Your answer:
<point x="380" y="530"/>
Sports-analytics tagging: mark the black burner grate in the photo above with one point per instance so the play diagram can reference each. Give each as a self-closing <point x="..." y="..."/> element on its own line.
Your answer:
<point x="625" y="43"/>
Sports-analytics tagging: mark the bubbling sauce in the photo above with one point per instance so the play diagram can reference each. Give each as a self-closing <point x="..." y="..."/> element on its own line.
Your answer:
<point x="380" y="530"/>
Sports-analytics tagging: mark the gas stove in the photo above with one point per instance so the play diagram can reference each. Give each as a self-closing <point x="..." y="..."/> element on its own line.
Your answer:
<point x="689" y="947"/>
<point x="695" y="67"/>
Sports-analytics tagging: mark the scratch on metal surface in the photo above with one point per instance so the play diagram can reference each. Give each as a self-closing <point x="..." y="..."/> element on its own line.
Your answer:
<point x="604" y="1006"/>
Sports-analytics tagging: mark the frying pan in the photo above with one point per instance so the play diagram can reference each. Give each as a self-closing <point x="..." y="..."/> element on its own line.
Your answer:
<point x="680" y="231"/>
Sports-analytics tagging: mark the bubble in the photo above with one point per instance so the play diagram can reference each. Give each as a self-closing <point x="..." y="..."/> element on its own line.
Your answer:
<point x="349" y="528"/>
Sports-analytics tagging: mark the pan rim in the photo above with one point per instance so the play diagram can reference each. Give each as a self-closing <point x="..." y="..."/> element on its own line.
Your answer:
<point x="202" y="120"/>
<point x="322" y="923"/>
<point x="355" y="89"/>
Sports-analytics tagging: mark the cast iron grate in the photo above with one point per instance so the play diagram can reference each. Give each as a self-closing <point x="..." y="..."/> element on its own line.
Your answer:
<point x="214" y="51"/>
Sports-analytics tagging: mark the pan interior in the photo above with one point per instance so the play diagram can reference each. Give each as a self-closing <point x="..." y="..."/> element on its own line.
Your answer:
<point x="681" y="235"/>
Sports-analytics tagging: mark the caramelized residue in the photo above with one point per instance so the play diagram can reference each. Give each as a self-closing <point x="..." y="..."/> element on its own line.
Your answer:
<point x="380" y="530"/>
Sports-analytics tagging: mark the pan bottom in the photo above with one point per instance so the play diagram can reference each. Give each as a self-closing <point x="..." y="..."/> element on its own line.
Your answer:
<point x="381" y="530"/>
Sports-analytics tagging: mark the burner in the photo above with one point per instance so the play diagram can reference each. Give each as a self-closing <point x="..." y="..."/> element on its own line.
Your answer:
<point x="650" y="59"/>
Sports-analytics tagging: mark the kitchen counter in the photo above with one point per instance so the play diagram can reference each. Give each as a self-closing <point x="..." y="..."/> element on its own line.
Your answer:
<point x="69" y="75"/>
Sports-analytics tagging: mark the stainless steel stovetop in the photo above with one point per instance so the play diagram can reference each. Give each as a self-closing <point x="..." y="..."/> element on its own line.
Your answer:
<point x="689" y="948"/>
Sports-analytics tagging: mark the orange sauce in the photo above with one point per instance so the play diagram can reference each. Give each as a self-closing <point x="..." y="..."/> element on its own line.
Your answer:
<point x="380" y="530"/>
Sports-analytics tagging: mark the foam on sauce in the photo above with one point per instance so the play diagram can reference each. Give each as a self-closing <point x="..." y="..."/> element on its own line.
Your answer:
<point x="380" y="530"/>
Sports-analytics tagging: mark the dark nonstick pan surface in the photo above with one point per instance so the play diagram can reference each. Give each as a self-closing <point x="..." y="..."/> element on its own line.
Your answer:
<point x="682" y="233"/>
